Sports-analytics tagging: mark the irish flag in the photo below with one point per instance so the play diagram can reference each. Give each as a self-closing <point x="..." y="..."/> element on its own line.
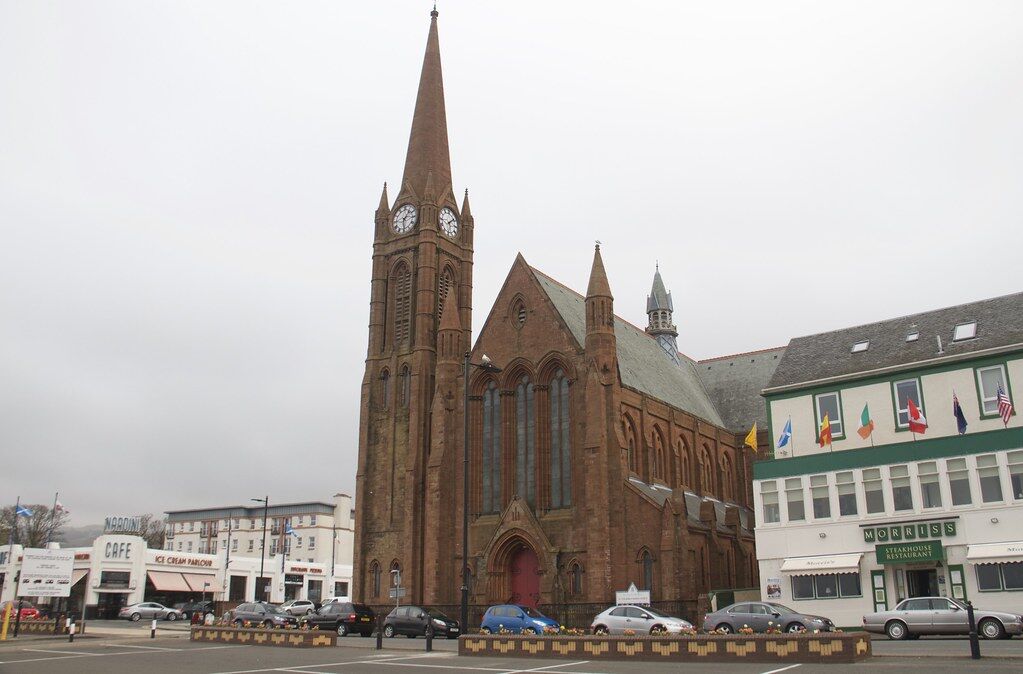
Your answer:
<point x="917" y="420"/>
<point x="866" y="423"/>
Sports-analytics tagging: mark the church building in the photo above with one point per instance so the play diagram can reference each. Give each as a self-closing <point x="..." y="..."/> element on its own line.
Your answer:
<point x="599" y="456"/>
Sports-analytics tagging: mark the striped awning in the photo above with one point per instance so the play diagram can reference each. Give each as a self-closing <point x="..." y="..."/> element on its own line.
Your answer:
<point x="197" y="580"/>
<point x="168" y="581"/>
<point x="804" y="566"/>
<point x="994" y="553"/>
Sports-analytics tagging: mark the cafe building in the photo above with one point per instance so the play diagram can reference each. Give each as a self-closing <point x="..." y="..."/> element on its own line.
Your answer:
<point x="913" y="486"/>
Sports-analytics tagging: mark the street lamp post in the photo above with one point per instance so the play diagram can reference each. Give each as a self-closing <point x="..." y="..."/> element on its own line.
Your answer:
<point x="262" y="550"/>
<point x="486" y="366"/>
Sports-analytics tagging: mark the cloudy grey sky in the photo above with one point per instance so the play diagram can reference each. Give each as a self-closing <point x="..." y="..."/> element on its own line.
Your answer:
<point x="187" y="192"/>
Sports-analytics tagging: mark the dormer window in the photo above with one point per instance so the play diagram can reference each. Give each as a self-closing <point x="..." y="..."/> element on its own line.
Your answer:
<point x="912" y="336"/>
<point x="965" y="331"/>
<point x="861" y="346"/>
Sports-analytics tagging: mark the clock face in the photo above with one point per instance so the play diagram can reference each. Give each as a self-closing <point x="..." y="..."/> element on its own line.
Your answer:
<point x="448" y="222"/>
<point x="405" y="219"/>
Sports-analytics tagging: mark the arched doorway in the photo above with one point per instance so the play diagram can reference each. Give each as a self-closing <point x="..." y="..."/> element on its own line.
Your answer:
<point x="524" y="572"/>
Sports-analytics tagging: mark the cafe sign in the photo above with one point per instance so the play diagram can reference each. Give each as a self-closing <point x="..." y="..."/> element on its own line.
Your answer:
<point x="909" y="532"/>
<point x="907" y="553"/>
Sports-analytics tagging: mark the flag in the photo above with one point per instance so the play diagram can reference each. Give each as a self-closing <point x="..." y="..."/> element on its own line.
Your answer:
<point x="917" y="420"/>
<point x="751" y="438"/>
<point x="866" y="423"/>
<point x="22" y="511"/>
<point x="288" y="531"/>
<point x="957" y="412"/>
<point x="786" y="434"/>
<point x="58" y="507"/>
<point x="1004" y="405"/>
<point x="825" y="438"/>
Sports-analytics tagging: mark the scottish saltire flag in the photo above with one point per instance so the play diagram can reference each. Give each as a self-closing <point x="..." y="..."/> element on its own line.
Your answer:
<point x="1004" y="405"/>
<point x="288" y="531"/>
<point x="786" y="434"/>
<point x="957" y="412"/>
<point x="22" y="511"/>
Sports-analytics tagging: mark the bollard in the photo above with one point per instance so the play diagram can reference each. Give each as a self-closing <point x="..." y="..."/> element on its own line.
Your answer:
<point x="71" y="633"/>
<point x="17" y="618"/>
<point x="152" y="630"/>
<point x="380" y="634"/>
<point x="974" y="642"/>
<point x="429" y="638"/>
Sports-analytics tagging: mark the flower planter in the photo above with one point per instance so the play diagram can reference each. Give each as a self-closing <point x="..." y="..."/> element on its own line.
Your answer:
<point x="45" y="626"/>
<point x="783" y="648"/>
<point x="244" y="636"/>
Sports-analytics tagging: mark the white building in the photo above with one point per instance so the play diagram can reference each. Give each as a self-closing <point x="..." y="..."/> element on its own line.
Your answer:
<point x="856" y="526"/>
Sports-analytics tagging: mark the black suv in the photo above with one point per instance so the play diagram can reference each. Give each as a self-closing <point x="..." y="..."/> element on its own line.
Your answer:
<point x="201" y="607"/>
<point x="260" y="614"/>
<point x="412" y="621"/>
<point x="344" y="618"/>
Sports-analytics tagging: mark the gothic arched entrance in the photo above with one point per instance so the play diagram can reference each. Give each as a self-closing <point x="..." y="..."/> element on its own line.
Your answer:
<point x="524" y="577"/>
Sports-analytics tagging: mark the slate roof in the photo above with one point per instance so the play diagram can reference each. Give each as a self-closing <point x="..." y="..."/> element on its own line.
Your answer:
<point x="829" y="354"/>
<point x="643" y="364"/>
<point x="734" y="384"/>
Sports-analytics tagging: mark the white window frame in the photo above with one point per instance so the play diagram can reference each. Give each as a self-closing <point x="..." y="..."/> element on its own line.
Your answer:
<point x="860" y="346"/>
<point x="898" y="410"/>
<point x="838" y="434"/>
<point x="984" y="413"/>
<point x="966" y="325"/>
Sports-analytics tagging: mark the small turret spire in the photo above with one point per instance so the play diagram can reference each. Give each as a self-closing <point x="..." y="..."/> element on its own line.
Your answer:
<point x="598" y="286"/>
<point x="385" y="206"/>
<point x="466" y="213"/>
<point x="659" y="309"/>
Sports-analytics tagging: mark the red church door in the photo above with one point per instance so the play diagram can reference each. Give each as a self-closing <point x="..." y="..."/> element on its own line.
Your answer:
<point x="525" y="578"/>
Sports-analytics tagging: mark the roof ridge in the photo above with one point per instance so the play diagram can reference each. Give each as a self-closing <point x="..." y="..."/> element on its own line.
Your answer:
<point x="741" y="353"/>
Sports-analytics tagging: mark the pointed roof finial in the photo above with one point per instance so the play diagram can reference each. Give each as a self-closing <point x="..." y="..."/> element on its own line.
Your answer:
<point x="449" y="312"/>
<point x="659" y="298"/>
<point x="434" y="12"/>
<point x="384" y="203"/>
<point x="466" y="213"/>
<point x="598" y="286"/>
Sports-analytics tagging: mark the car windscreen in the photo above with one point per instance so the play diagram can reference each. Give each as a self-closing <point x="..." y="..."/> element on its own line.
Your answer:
<point x="531" y="612"/>
<point x="957" y="603"/>
<point x="434" y="613"/>
<point x="656" y="614"/>
<point x="781" y="608"/>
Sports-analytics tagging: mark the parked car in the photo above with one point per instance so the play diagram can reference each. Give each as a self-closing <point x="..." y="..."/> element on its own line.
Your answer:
<point x="336" y="598"/>
<point x="298" y="607"/>
<point x="28" y="610"/>
<point x="149" y="610"/>
<point x="260" y="613"/>
<point x="640" y="619"/>
<point x="343" y="617"/>
<point x="940" y="615"/>
<point x="760" y="615"/>
<point x="412" y="621"/>
<point x="515" y="618"/>
<point x="203" y="608"/>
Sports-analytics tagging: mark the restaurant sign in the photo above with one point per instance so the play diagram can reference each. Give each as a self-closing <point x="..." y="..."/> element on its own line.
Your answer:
<point x="909" y="532"/>
<point x="907" y="553"/>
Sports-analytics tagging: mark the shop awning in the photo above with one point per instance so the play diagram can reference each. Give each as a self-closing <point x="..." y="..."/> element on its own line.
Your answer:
<point x="196" y="581"/>
<point x="804" y="566"/>
<point x="77" y="575"/>
<point x="995" y="553"/>
<point x="168" y="581"/>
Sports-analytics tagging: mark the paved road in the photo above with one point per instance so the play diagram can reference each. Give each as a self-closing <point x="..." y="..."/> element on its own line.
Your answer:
<point x="174" y="653"/>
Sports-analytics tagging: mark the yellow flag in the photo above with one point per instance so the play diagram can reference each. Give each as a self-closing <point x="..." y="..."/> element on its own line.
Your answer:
<point x="751" y="438"/>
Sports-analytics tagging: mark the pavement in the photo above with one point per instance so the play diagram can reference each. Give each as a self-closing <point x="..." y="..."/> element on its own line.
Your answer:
<point x="131" y="652"/>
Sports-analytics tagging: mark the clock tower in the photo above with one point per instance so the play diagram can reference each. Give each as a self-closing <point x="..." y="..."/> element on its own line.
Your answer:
<point x="422" y="269"/>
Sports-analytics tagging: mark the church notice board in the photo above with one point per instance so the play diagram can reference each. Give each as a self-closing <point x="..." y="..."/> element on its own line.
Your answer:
<point x="46" y="573"/>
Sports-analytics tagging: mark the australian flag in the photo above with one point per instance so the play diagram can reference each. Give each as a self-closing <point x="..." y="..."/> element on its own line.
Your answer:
<point x="957" y="412"/>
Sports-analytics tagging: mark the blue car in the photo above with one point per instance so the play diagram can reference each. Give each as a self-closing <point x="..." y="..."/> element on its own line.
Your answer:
<point x="515" y="619"/>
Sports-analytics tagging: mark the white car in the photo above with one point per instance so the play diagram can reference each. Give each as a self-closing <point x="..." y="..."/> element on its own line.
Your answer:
<point x="639" y="619"/>
<point x="298" y="607"/>
<point x="337" y="599"/>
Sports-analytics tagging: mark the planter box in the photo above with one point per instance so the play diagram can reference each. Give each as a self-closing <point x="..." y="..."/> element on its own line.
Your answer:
<point x="782" y="648"/>
<point x="45" y="626"/>
<point x="261" y="637"/>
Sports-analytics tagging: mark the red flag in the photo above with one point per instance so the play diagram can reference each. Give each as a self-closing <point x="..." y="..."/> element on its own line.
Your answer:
<point x="917" y="420"/>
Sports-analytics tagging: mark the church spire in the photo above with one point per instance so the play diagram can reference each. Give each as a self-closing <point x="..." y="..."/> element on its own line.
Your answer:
<point x="659" y="310"/>
<point x="428" y="141"/>
<point x="384" y="207"/>
<point x="598" y="286"/>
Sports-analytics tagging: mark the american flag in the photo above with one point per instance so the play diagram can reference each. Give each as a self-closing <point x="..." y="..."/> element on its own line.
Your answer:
<point x="1004" y="405"/>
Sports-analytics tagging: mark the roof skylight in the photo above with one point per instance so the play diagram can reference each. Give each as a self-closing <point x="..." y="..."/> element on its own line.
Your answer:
<point x="861" y="346"/>
<point x="912" y="336"/>
<point x="965" y="331"/>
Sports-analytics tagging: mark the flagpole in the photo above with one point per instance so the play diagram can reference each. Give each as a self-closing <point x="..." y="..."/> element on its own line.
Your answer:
<point x="53" y="512"/>
<point x="11" y="536"/>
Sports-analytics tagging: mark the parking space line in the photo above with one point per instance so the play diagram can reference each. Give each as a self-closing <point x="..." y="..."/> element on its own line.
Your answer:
<point x="540" y="669"/>
<point x="148" y="648"/>
<point x="775" y="671"/>
<point x="66" y="653"/>
<point x="329" y="664"/>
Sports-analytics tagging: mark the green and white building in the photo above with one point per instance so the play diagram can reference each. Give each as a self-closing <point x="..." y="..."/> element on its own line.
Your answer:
<point x="854" y="527"/>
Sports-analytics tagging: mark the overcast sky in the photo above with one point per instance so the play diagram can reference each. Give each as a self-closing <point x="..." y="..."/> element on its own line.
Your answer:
<point x="187" y="193"/>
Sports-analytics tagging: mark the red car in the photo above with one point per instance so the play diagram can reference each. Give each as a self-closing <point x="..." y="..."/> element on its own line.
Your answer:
<point x="27" y="610"/>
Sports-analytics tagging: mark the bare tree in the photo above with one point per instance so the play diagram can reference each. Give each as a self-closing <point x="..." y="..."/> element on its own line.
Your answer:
<point x="152" y="530"/>
<point x="36" y="530"/>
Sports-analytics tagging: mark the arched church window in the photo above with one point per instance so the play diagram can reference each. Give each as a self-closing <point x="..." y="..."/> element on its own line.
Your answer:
<point x="491" y="449"/>
<point x="402" y="303"/>
<point x="648" y="570"/>
<point x="577" y="578"/>
<point x="385" y="389"/>
<point x="374" y="574"/>
<point x="629" y="431"/>
<point x="519" y="313"/>
<point x="686" y="471"/>
<point x="727" y="476"/>
<point x="708" y="472"/>
<point x="404" y="385"/>
<point x="444" y="286"/>
<point x="561" y="448"/>
<point x="525" y="441"/>
<point x="658" y="443"/>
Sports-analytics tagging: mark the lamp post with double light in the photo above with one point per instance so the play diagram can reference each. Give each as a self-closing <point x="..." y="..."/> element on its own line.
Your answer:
<point x="489" y="367"/>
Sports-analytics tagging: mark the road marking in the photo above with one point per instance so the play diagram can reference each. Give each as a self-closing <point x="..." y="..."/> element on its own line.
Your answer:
<point x="540" y="669"/>
<point x="67" y="653"/>
<point x="148" y="648"/>
<point x="330" y="664"/>
<point x="775" y="671"/>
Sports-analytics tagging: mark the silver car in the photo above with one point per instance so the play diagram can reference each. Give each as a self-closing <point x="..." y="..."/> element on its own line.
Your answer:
<point x="940" y="615"/>
<point x="298" y="607"/>
<point x="149" y="610"/>
<point x="639" y="619"/>
<point x="763" y="615"/>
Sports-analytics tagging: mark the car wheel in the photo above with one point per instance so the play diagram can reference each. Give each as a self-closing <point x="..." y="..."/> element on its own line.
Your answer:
<point x="172" y="617"/>
<point x="308" y="611"/>
<point x="600" y="630"/>
<point x="342" y="630"/>
<point x="389" y="631"/>
<point x="991" y="629"/>
<point x="796" y="627"/>
<point x="896" y="630"/>
<point x="135" y="617"/>
<point x="726" y="628"/>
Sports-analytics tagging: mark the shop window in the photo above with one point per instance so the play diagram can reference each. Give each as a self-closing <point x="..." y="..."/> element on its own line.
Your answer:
<point x="902" y="493"/>
<point x="930" y="489"/>
<point x="904" y="392"/>
<point x="794" y="498"/>
<point x="769" y="500"/>
<point x="873" y="490"/>
<point x="826" y="586"/>
<point x="846" y="493"/>
<point x="1015" y="460"/>
<point x="821" y="497"/>
<point x="996" y="577"/>
<point x="990" y="478"/>
<point x="989" y="380"/>
<point x="959" y="482"/>
<point x="830" y="404"/>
